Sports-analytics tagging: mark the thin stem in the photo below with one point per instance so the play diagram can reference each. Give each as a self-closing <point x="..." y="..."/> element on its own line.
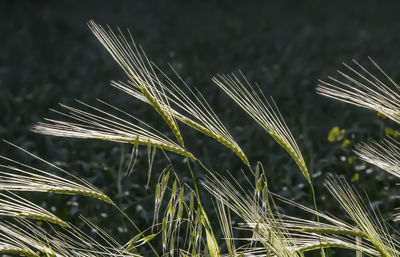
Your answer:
<point x="204" y="167"/>
<point x="316" y="210"/>
<point x="119" y="181"/>
<point x="137" y="228"/>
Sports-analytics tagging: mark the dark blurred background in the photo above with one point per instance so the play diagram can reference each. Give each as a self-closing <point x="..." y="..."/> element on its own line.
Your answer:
<point x="49" y="56"/>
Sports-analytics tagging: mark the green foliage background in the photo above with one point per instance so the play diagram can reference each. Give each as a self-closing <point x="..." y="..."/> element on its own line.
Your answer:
<point x="48" y="56"/>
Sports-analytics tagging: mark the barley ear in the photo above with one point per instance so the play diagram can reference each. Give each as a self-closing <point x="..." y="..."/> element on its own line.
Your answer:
<point x="164" y="114"/>
<point x="265" y="114"/>
<point x="138" y="68"/>
<point x="17" y="176"/>
<point x="97" y="123"/>
<point x="359" y="86"/>
<point x="368" y="221"/>
<point x="16" y="206"/>
<point x="384" y="154"/>
<point x="203" y="119"/>
<point x="9" y="249"/>
<point x="233" y="146"/>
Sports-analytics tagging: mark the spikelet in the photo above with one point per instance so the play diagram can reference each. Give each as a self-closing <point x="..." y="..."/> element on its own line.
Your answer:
<point x="139" y="70"/>
<point x="99" y="124"/>
<point x="202" y="117"/>
<point x="17" y="176"/>
<point x="265" y="114"/>
<point x="360" y="87"/>
<point x="16" y="206"/>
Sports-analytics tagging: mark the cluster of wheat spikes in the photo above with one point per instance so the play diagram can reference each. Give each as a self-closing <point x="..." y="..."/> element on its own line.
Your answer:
<point x="181" y="223"/>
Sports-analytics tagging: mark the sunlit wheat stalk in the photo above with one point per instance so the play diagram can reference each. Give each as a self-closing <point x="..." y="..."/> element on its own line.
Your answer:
<point x="71" y="242"/>
<point x="10" y="249"/>
<point x="384" y="154"/>
<point x="266" y="229"/>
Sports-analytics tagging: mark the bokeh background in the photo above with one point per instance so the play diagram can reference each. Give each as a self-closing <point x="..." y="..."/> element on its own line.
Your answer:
<point x="49" y="56"/>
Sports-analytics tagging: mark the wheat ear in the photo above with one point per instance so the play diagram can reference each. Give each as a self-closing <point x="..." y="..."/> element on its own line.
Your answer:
<point x="265" y="114"/>
<point x="99" y="124"/>
<point x="360" y="87"/>
<point x="9" y="249"/>
<point x="203" y="118"/>
<point x="16" y="206"/>
<point x="368" y="221"/>
<point x="17" y="176"/>
<point x="385" y="155"/>
<point x="139" y="70"/>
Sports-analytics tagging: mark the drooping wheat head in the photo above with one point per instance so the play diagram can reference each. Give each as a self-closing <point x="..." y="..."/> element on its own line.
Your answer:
<point x="99" y="124"/>
<point x="139" y="70"/>
<point x="16" y="206"/>
<point x="17" y="176"/>
<point x="264" y="113"/>
<point x="368" y="221"/>
<point x="197" y="112"/>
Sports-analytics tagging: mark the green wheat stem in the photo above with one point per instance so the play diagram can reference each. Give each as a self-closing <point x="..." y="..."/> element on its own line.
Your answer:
<point x="316" y="210"/>
<point x="197" y="190"/>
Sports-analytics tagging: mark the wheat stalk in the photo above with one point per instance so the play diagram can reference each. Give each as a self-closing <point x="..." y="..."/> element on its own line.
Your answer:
<point x="17" y="176"/>
<point x="16" y="179"/>
<point x="385" y="155"/>
<point x="266" y="229"/>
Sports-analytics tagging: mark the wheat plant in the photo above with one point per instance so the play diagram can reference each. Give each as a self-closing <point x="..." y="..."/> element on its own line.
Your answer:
<point x="181" y="226"/>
